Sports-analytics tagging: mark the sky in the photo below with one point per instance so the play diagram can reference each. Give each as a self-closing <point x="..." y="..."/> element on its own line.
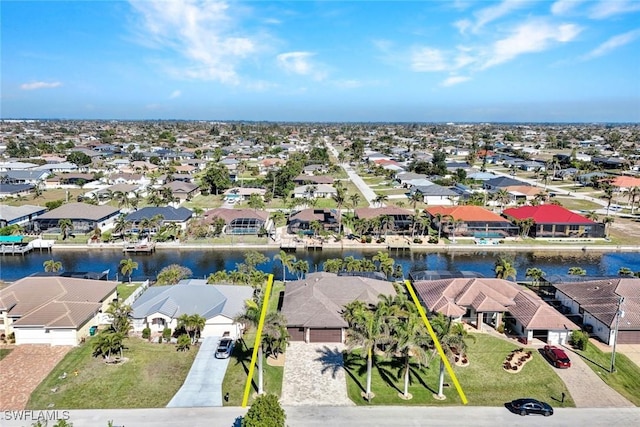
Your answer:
<point x="322" y="61"/>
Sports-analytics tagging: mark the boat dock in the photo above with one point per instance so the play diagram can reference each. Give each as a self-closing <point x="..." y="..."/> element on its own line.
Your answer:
<point x="139" y="248"/>
<point x="20" y="248"/>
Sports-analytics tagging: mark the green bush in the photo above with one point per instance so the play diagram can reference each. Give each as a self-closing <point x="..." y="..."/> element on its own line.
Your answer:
<point x="500" y="328"/>
<point x="417" y="240"/>
<point x="146" y="333"/>
<point x="166" y="334"/>
<point x="579" y="340"/>
<point x="265" y="412"/>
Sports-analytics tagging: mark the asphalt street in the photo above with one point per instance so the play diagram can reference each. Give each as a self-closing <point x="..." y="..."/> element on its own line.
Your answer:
<point x="323" y="416"/>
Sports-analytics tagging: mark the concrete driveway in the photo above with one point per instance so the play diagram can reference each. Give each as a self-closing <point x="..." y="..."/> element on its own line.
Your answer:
<point x="587" y="388"/>
<point x="203" y="385"/>
<point x="314" y="375"/>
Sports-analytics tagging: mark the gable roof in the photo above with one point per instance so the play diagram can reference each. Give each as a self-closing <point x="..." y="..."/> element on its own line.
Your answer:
<point x="625" y="182"/>
<point x="318" y="300"/>
<point x="547" y="214"/>
<point x="80" y="211"/>
<point x="54" y="301"/>
<point x="466" y="213"/>
<point x="192" y="297"/>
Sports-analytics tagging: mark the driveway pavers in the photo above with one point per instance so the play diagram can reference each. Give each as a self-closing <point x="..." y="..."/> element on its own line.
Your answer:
<point x="587" y="389"/>
<point x="203" y="385"/>
<point x="314" y="375"/>
<point x="23" y="369"/>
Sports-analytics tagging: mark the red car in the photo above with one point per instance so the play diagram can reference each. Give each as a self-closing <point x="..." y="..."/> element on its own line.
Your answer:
<point x="557" y="356"/>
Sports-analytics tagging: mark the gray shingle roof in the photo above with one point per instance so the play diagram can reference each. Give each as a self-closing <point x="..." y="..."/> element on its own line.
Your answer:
<point x="80" y="211"/>
<point x="168" y="213"/>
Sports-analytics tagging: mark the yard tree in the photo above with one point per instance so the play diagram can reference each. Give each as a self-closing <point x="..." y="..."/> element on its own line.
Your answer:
<point x="172" y="274"/>
<point x="127" y="267"/>
<point x="265" y="412"/>
<point x="216" y="178"/>
<point x="287" y="261"/>
<point x="66" y="227"/>
<point x="385" y="262"/>
<point x="52" y="266"/>
<point x="108" y="342"/>
<point x="120" y="314"/>
<point x="577" y="271"/>
<point x="503" y="269"/>
<point x="535" y="274"/>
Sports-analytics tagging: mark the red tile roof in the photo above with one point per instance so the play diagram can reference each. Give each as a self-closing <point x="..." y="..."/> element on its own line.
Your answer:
<point x="547" y="214"/>
<point x="625" y="182"/>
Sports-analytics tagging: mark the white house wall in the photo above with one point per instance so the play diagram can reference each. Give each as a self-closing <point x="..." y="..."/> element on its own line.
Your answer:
<point x="218" y="325"/>
<point x="600" y="330"/>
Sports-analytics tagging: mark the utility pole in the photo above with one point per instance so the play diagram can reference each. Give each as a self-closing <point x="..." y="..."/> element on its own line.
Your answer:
<point x="619" y="315"/>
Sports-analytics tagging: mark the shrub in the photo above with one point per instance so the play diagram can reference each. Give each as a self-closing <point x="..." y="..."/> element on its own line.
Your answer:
<point x="368" y="239"/>
<point x="184" y="342"/>
<point x="500" y="328"/>
<point x="265" y="412"/>
<point x="579" y="339"/>
<point x="166" y="334"/>
<point x="433" y="239"/>
<point x="417" y="240"/>
<point x="146" y="333"/>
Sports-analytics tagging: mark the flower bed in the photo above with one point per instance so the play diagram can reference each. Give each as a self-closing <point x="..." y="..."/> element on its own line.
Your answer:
<point x="516" y="360"/>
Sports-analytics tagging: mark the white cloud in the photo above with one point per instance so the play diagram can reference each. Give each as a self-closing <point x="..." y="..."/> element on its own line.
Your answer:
<point x="606" y="8"/>
<point x="562" y="7"/>
<point x="613" y="43"/>
<point x="301" y="63"/>
<point x="39" y="85"/>
<point x="175" y="94"/>
<point x="489" y="14"/>
<point x="428" y="59"/>
<point x="454" y="80"/>
<point x="204" y="33"/>
<point x="532" y="36"/>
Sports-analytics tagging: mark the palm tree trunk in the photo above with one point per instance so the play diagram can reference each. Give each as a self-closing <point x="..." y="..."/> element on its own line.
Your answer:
<point x="260" y="373"/>
<point x="441" y="379"/>
<point x="369" y="369"/>
<point x="406" y="377"/>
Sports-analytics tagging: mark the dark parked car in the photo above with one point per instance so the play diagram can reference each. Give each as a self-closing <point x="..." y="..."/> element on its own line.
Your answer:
<point x="530" y="406"/>
<point x="556" y="356"/>
<point x="224" y="348"/>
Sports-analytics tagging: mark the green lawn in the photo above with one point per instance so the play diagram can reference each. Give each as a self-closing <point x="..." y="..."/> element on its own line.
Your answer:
<point x="236" y="375"/>
<point x="484" y="382"/>
<point x="626" y="379"/>
<point x="48" y="195"/>
<point x="572" y="203"/>
<point x="149" y="378"/>
<point x="204" y="202"/>
<point x="125" y="289"/>
<point x="4" y="352"/>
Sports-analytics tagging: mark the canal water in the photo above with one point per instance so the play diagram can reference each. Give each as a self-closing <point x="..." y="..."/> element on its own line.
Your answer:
<point x="202" y="262"/>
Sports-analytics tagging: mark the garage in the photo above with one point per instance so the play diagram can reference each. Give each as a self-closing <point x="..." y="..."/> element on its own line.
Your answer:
<point x="628" y="337"/>
<point x="295" y="334"/>
<point x="325" y="335"/>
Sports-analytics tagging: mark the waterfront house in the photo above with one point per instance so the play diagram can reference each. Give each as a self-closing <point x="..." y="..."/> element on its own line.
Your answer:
<point x="84" y="217"/>
<point x="401" y="219"/>
<point x="554" y="221"/>
<point x="313" y="306"/>
<point x="489" y="301"/>
<point x="160" y="307"/>
<point x="20" y="215"/>
<point x="53" y="310"/>
<point x="181" y="190"/>
<point x="239" y="221"/>
<point x="168" y="214"/>
<point x="470" y="221"/>
<point x="301" y="221"/>
<point x="597" y="302"/>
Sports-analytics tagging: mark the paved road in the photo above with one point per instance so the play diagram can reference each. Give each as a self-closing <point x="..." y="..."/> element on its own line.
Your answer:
<point x="366" y="191"/>
<point x="324" y="416"/>
<point x="203" y="385"/>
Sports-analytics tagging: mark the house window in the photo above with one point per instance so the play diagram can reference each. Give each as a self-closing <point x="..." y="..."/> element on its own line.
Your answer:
<point x="581" y="310"/>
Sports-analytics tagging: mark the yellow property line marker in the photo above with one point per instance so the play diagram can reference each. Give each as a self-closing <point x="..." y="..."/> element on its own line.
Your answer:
<point x="436" y="342"/>
<point x="256" y="344"/>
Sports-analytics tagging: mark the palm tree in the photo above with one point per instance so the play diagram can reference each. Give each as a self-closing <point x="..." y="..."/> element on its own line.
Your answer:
<point x="504" y="269"/>
<point x="577" y="271"/>
<point x="503" y="198"/>
<point x="51" y="266"/>
<point x="380" y="199"/>
<point x="632" y="194"/>
<point x="525" y="226"/>
<point x="340" y="197"/>
<point x="416" y="198"/>
<point x="354" y="199"/>
<point x="625" y="272"/>
<point x="121" y="225"/>
<point x="301" y="267"/>
<point x="452" y="337"/>
<point x="275" y="337"/>
<point x="367" y="329"/>
<point x="106" y="343"/>
<point x="592" y="215"/>
<point x="607" y="221"/>
<point x="287" y="261"/>
<point x="535" y="274"/>
<point x="454" y="225"/>
<point x="120" y="316"/>
<point x="66" y="227"/>
<point x="385" y="262"/>
<point x="127" y="266"/>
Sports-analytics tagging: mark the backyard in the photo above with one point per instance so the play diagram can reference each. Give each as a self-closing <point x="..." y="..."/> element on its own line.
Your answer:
<point x="150" y="376"/>
<point x="484" y="381"/>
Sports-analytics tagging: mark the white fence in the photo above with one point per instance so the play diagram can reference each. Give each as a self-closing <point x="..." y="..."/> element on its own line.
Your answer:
<point x="134" y="296"/>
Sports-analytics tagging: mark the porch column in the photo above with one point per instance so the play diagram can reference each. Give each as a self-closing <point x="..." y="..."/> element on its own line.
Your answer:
<point x="498" y="319"/>
<point x="479" y="317"/>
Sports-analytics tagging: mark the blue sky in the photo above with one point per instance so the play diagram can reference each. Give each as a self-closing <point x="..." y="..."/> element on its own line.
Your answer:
<point x="425" y="61"/>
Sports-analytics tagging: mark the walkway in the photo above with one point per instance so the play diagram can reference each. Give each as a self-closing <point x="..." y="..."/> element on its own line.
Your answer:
<point x="203" y="386"/>
<point x="23" y="369"/>
<point x="314" y="375"/>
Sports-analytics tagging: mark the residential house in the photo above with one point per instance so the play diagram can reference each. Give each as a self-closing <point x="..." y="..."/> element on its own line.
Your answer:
<point x="623" y="183"/>
<point x="15" y="190"/>
<point x="597" y="303"/>
<point x="53" y="310"/>
<point x="501" y="182"/>
<point x="160" y="307"/>
<point x="20" y="215"/>
<point x="313" y="306"/>
<point x="471" y="221"/>
<point x="311" y="179"/>
<point x="243" y="193"/>
<point x="84" y="217"/>
<point x="240" y="221"/>
<point x="301" y="221"/>
<point x="316" y="191"/>
<point x="179" y="216"/>
<point x="489" y="301"/>
<point x="183" y="191"/>
<point x="554" y="221"/>
<point x="401" y="219"/>
<point x="435" y="194"/>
